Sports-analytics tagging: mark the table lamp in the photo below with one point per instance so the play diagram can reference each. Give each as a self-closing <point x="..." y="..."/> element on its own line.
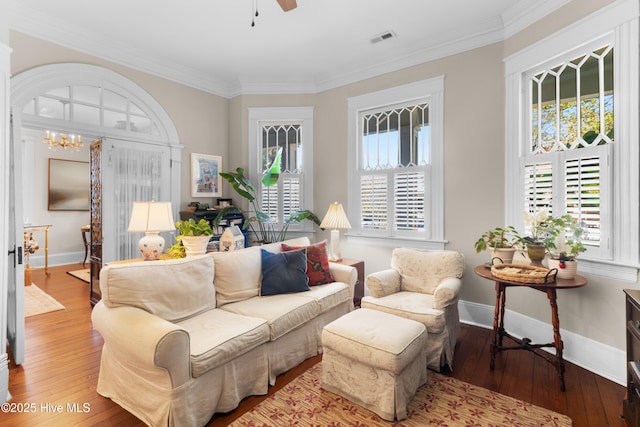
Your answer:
<point x="335" y="220"/>
<point x="152" y="218"/>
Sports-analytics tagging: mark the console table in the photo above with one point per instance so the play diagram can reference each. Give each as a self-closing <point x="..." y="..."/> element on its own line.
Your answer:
<point x="525" y="343"/>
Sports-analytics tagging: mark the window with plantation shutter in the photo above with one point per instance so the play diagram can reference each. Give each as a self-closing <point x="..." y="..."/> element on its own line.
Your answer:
<point x="289" y="129"/>
<point x="396" y="191"/>
<point x="572" y="125"/>
<point x="571" y="122"/>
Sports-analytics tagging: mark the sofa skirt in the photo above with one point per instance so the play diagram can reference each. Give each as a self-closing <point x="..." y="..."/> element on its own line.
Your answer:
<point x="191" y="404"/>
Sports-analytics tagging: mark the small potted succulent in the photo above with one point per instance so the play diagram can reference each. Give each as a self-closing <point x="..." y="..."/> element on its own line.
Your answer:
<point x="501" y="243"/>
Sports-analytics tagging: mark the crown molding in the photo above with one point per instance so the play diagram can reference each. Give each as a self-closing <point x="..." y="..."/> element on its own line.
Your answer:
<point x="522" y="14"/>
<point x="36" y="24"/>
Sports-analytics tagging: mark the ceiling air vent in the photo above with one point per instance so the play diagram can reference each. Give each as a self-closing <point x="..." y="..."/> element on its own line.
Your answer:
<point x="382" y="37"/>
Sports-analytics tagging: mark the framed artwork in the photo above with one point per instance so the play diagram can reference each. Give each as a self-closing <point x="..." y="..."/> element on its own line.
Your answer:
<point x="69" y="185"/>
<point x="205" y="175"/>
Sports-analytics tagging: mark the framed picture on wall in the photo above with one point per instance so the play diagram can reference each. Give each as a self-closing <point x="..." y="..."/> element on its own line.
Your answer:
<point x="69" y="185"/>
<point x="205" y="175"/>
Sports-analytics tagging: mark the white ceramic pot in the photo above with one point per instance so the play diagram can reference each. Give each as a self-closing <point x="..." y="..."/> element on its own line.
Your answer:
<point x="569" y="270"/>
<point x="505" y="254"/>
<point x="195" y="245"/>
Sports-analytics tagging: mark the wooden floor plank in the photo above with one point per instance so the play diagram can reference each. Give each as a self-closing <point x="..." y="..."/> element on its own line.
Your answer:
<point x="63" y="359"/>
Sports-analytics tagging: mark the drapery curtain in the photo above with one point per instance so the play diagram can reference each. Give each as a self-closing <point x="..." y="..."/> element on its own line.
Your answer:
<point x="137" y="175"/>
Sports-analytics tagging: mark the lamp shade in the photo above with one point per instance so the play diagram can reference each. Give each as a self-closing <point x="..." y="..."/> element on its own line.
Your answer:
<point x="151" y="216"/>
<point x="335" y="218"/>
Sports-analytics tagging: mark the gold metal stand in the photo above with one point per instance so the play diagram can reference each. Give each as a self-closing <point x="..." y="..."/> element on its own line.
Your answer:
<point x="44" y="228"/>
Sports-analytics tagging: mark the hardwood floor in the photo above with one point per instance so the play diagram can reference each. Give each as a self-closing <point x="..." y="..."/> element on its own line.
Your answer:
<point x="63" y="358"/>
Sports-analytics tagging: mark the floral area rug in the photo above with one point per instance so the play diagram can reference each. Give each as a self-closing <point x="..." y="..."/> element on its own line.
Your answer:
<point x="442" y="401"/>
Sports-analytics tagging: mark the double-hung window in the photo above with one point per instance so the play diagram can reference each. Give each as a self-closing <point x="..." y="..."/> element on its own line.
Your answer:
<point x="572" y="132"/>
<point x="289" y="130"/>
<point x="396" y="156"/>
<point x="567" y="162"/>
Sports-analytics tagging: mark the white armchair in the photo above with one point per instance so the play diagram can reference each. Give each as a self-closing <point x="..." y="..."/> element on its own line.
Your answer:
<point x="423" y="286"/>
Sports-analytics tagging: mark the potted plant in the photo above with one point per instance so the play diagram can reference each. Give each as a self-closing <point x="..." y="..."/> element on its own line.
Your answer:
<point x="568" y="248"/>
<point x="194" y="237"/>
<point x="544" y="230"/>
<point x="501" y="243"/>
<point x="256" y="220"/>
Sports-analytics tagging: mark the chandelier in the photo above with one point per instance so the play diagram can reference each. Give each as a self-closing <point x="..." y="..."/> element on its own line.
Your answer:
<point x="65" y="141"/>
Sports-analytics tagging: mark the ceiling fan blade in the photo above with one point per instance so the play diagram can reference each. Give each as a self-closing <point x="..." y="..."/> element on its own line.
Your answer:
<point x="287" y="5"/>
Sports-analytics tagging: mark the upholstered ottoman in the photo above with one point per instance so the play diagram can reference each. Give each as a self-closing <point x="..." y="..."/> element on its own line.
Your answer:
<point x="375" y="359"/>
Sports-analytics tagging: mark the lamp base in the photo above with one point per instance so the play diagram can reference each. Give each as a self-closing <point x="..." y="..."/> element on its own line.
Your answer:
<point x="334" y="247"/>
<point x="151" y="246"/>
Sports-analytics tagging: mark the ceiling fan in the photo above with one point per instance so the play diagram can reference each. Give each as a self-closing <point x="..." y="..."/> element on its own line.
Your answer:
<point x="287" y="5"/>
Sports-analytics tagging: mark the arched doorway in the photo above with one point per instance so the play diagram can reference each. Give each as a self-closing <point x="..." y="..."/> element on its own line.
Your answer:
<point x="96" y="103"/>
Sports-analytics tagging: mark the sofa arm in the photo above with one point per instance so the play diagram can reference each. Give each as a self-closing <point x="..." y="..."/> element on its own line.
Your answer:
<point x="383" y="283"/>
<point x="144" y="342"/>
<point x="446" y="293"/>
<point x="345" y="274"/>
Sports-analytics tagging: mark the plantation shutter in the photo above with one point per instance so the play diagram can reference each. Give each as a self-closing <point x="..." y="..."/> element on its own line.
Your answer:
<point x="374" y="203"/>
<point x="409" y="198"/>
<point x="585" y="181"/>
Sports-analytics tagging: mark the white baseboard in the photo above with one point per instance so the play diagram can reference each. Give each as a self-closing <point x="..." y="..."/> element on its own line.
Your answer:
<point x="601" y="359"/>
<point x="37" y="261"/>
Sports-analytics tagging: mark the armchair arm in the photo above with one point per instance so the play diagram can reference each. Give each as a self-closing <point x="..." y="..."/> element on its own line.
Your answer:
<point x="145" y="342"/>
<point x="446" y="293"/>
<point x="383" y="283"/>
<point x="345" y="274"/>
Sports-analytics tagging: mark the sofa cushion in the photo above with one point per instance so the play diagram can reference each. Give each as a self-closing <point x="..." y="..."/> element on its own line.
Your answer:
<point x="217" y="336"/>
<point x="329" y="295"/>
<point x="422" y="270"/>
<point x="284" y="272"/>
<point x="283" y="312"/>
<point x="171" y="289"/>
<point x="318" y="269"/>
<point x="237" y="274"/>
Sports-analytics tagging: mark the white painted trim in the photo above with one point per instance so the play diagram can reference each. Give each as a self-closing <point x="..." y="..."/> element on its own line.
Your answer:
<point x="5" y="72"/>
<point x="601" y="359"/>
<point x="524" y="13"/>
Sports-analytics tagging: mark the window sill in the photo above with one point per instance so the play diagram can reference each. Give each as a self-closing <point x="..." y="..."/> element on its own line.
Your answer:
<point x="609" y="269"/>
<point x="396" y="242"/>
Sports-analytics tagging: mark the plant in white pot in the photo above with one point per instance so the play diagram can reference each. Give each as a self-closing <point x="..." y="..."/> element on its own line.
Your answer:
<point x="501" y="243"/>
<point x="568" y="247"/>
<point x="194" y="236"/>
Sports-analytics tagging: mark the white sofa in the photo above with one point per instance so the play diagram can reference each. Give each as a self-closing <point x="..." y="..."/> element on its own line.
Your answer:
<point x="184" y="339"/>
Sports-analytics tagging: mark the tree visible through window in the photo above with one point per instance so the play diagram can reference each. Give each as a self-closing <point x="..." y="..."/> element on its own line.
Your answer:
<point x="571" y="128"/>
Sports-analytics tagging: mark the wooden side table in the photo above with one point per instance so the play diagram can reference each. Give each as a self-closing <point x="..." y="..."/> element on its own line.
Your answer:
<point x="359" y="288"/>
<point x="525" y="343"/>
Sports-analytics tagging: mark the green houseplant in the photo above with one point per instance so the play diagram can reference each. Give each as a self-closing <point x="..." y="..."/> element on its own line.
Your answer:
<point x="193" y="238"/>
<point x="257" y="221"/>
<point x="502" y="242"/>
<point x="564" y="254"/>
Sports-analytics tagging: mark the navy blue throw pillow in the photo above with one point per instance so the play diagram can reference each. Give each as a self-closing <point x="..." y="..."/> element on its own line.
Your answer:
<point x="284" y="272"/>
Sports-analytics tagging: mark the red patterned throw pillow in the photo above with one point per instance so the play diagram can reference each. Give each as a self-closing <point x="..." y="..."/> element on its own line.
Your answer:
<point x="317" y="262"/>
